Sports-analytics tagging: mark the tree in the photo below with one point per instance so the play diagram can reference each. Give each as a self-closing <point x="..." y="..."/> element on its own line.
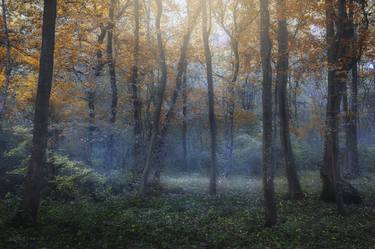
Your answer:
<point x="211" y="107"/>
<point x="184" y="122"/>
<point x="37" y="167"/>
<point x="294" y="187"/>
<point x="91" y="91"/>
<point x="265" y="45"/>
<point x="233" y="34"/>
<point x="137" y="103"/>
<point x="331" y="137"/>
<point x="352" y="156"/>
<point x="337" y="35"/>
<point x="8" y="66"/>
<point x="112" y="79"/>
<point x="160" y="98"/>
<point x="181" y="71"/>
<point x="351" y="103"/>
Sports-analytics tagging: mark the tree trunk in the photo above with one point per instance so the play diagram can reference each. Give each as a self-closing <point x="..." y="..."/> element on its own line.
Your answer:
<point x="294" y="187"/>
<point x="334" y="188"/>
<point x="137" y="104"/>
<point x="113" y="81"/>
<point x="8" y="66"/>
<point x="181" y="70"/>
<point x="330" y="175"/>
<point x="91" y="94"/>
<point x="352" y="157"/>
<point x="231" y="104"/>
<point x="268" y="187"/>
<point x="160" y="98"/>
<point x="211" y="108"/>
<point x="37" y="167"/>
<point x="184" y="123"/>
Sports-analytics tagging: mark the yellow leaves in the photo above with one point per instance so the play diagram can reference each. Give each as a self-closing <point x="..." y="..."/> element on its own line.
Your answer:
<point x="2" y="79"/>
<point x="244" y="117"/>
<point x="27" y="59"/>
<point x="24" y="89"/>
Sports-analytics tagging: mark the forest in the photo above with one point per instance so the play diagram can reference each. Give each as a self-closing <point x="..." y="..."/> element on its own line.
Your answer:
<point x="180" y="124"/>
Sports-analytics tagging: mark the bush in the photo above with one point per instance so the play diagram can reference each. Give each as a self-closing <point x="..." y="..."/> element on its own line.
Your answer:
<point x="15" y="150"/>
<point x="307" y="155"/>
<point x="247" y="154"/>
<point x="71" y="180"/>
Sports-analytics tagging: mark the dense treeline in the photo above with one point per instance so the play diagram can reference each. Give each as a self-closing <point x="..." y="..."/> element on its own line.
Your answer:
<point x="110" y="98"/>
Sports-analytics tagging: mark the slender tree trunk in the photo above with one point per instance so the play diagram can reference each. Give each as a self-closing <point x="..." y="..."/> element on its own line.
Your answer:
<point x="295" y="102"/>
<point x="275" y="124"/>
<point x="268" y="186"/>
<point x="160" y="98"/>
<point x="37" y="167"/>
<point x="8" y="66"/>
<point x="231" y="104"/>
<point x="294" y="187"/>
<point x="181" y="70"/>
<point x="211" y="108"/>
<point x="184" y="123"/>
<point x="113" y="81"/>
<point x="91" y="94"/>
<point x="184" y="108"/>
<point x="137" y="104"/>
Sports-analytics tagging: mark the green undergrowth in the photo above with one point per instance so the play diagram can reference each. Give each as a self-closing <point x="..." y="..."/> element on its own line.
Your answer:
<point x="189" y="219"/>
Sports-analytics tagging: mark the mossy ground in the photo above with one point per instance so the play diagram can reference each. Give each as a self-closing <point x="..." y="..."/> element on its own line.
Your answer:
<point x="184" y="217"/>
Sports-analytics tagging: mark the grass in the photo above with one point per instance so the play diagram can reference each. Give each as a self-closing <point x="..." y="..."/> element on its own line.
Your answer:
<point x="187" y="218"/>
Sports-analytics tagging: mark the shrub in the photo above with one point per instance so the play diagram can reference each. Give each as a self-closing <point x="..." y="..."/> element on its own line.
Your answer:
<point x="71" y="180"/>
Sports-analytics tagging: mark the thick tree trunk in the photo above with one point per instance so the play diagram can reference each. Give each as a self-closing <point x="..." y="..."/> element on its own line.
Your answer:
<point x="330" y="174"/>
<point x="268" y="186"/>
<point x="137" y="103"/>
<point x="334" y="188"/>
<point x="294" y="187"/>
<point x="8" y="66"/>
<point x="350" y="105"/>
<point x="352" y="165"/>
<point x="211" y="108"/>
<point x="295" y="104"/>
<point x="113" y="81"/>
<point x="160" y="98"/>
<point x="37" y="167"/>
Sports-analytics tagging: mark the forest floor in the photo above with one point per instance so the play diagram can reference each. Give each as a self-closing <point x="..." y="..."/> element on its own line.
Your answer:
<point x="184" y="217"/>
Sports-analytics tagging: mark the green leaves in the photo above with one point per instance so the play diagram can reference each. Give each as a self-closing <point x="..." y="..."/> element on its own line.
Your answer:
<point x="197" y="221"/>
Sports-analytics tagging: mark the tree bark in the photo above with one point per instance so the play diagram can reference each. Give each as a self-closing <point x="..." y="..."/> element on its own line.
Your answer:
<point x="231" y="101"/>
<point x="91" y="93"/>
<point x="160" y="98"/>
<point x="337" y="75"/>
<point x="8" y="66"/>
<point x="181" y="70"/>
<point x="268" y="186"/>
<point x="37" y="167"/>
<point x="211" y="108"/>
<point x="352" y="156"/>
<point x="113" y="81"/>
<point x="294" y="187"/>
<point x="184" y="123"/>
<point x="137" y="103"/>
